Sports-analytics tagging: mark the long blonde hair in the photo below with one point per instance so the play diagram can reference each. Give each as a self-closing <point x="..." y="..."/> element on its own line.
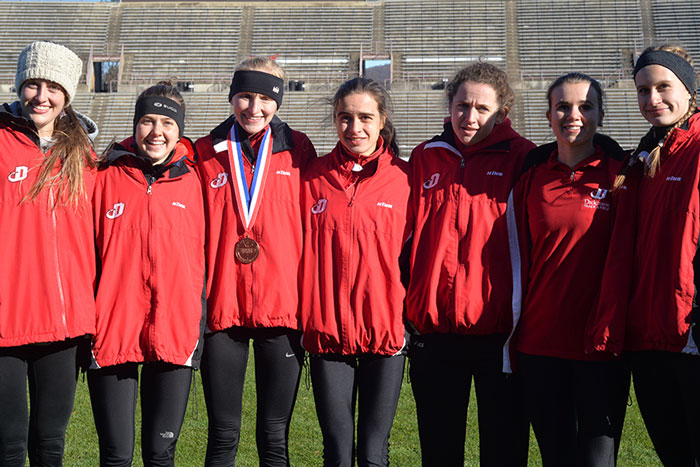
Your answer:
<point x="73" y="153"/>
<point x="653" y="159"/>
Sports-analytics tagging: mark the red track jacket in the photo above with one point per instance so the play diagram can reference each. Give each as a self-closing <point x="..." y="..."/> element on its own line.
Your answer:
<point x="264" y="293"/>
<point x="47" y="258"/>
<point x="574" y="287"/>
<point x="460" y="267"/>
<point x="150" y="241"/>
<point x="352" y="296"/>
<point x="666" y="275"/>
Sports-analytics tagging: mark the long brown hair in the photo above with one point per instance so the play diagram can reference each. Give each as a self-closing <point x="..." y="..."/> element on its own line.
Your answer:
<point x="73" y="153"/>
<point x="653" y="160"/>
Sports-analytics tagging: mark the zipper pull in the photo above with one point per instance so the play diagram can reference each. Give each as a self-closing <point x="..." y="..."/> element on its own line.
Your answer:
<point x="354" y="193"/>
<point x="148" y="192"/>
<point x="461" y="164"/>
<point x="573" y="175"/>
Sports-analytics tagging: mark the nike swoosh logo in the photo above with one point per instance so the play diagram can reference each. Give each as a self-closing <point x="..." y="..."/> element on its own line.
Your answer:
<point x="289" y="355"/>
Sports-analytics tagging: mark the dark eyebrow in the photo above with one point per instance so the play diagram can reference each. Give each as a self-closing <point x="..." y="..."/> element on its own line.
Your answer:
<point x="359" y="114"/>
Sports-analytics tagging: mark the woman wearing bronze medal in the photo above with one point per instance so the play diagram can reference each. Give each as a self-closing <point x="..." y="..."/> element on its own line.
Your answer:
<point x="250" y="167"/>
<point x="355" y="206"/>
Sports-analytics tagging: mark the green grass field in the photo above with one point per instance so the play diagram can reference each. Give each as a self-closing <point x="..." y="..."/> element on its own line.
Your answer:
<point x="305" y="438"/>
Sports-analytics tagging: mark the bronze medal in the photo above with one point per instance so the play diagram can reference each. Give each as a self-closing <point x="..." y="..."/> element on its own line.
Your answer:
<point x="247" y="250"/>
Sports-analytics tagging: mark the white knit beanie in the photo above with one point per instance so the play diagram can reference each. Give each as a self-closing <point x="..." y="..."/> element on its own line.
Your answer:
<point x="52" y="62"/>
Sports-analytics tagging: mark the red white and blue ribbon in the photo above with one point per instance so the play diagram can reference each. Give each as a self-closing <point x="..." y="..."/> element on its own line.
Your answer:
<point x="248" y="200"/>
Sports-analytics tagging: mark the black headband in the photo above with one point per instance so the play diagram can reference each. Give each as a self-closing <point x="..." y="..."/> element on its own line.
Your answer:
<point x="257" y="81"/>
<point x="160" y="106"/>
<point x="677" y="64"/>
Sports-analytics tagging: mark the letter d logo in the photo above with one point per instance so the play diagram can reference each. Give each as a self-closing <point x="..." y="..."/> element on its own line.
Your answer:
<point x="19" y="174"/>
<point x="116" y="211"/>
<point x="600" y="193"/>
<point x="219" y="181"/>
<point x="432" y="181"/>
<point x="320" y="206"/>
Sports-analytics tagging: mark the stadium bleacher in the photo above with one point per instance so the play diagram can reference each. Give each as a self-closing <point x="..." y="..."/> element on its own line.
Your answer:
<point x="323" y="43"/>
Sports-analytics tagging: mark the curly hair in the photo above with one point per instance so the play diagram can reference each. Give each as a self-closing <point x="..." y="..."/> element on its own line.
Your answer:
<point x="485" y="73"/>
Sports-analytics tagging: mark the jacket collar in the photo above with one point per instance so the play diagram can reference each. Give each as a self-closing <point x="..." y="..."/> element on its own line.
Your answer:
<point x="498" y="140"/>
<point x="282" y="139"/>
<point x="176" y="165"/>
<point x="345" y="162"/>
<point x="602" y="142"/>
<point x="12" y="113"/>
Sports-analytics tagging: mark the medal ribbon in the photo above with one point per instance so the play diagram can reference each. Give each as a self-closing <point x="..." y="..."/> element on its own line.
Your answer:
<point x="249" y="200"/>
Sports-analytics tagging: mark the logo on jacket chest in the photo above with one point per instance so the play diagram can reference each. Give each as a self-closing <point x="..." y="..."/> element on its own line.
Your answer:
<point x="432" y="181"/>
<point x="596" y="200"/>
<point x="19" y="174"/>
<point x="320" y="206"/>
<point x="116" y="211"/>
<point x="219" y="181"/>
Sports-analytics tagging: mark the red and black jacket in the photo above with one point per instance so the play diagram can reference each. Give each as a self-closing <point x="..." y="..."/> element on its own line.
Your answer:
<point x="460" y="267"/>
<point x="667" y="266"/>
<point x="572" y="285"/>
<point x="264" y="293"/>
<point x="149" y="227"/>
<point x="356" y="224"/>
<point x="47" y="266"/>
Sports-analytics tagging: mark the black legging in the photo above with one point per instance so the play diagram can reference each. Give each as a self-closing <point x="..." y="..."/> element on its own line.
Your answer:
<point x="52" y="373"/>
<point x="576" y="408"/>
<point x="278" y="361"/>
<point x="667" y="386"/>
<point x="337" y="380"/>
<point x="164" y="392"/>
<point x="441" y="369"/>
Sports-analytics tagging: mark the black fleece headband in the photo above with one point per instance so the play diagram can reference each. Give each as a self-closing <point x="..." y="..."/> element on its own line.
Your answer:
<point x="257" y="81"/>
<point x="677" y="64"/>
<point x="160" y="106"/>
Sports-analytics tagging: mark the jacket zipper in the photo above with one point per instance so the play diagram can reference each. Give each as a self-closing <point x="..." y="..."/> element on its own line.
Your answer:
<point x="58" y="266"/>
<point x="151" y="320"/>
<point x="344" y="328"/>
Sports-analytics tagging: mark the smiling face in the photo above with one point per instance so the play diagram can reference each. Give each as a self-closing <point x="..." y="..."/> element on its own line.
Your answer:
<point x="253" y="111"/>
<point x="42" y="101"/>
<point x="359" y="122"/>
<point x="574" y="113"/>
<point x="474" y="112"/>
<point x="156" y="136"/>
<point x="663" y="99"/>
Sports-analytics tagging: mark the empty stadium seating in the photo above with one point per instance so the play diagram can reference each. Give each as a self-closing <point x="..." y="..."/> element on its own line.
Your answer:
<point x="322" y="43"/>
<point x="595" y="37"/>
<point x="433" y="39"/>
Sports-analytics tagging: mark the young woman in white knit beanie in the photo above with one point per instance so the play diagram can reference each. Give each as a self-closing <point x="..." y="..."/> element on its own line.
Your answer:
<point x="47" y="272"/>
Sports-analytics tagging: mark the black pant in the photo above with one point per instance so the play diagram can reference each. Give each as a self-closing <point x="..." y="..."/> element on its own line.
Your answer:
<point x="441" y="370"/>
<point x="52" y="374"/>
<point x="278" y="361"/>
<point x="164" y="392"/>
<point x="337" y="380"/>
<point x="577" y="408"/>
<point x="667" y="385"/>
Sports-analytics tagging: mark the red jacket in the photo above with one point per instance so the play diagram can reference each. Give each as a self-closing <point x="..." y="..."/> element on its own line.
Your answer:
<point x="574" y="287"/>
<point x="47" y="259"/>
<point x="149" y="228"/>
<point x="264" y="293"/>
<point x="668" y="228"/>
<point x="460" y="267"/>
<point x="355" y="227"/>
